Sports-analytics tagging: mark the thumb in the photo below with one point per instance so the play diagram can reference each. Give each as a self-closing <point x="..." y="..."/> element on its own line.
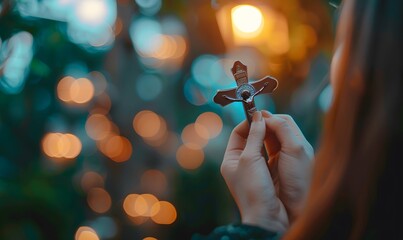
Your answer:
<point x="254" y="142"/>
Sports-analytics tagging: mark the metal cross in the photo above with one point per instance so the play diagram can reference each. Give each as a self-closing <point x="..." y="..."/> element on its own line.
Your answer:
<point x="245" y="92"/>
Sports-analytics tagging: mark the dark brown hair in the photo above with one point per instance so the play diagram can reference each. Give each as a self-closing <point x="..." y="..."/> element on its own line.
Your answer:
<point x="357" y="184"/>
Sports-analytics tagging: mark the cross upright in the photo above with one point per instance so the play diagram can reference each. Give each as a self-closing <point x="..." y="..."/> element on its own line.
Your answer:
<point x="245" y="92"/>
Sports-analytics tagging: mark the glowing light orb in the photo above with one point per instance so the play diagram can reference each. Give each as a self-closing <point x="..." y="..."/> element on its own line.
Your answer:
<point x="115" y="147"/>
<point x="195" y="139"/>
<point x="166" y="213"/>
<point x="247" y="18"/>
<point x="86" y="233"/>
<point x="98" y="126"/>
<point x="91" y="180"/>
<point x="209" y="122"/>
<point x="143" y="205"/>
<point x="92" y="12"/>
<point x="147" y="124"/>
<point x="78" y="91"/>
<point x="61" y="146"/>
<point x="189" y="158"/>
<point x="99" y="200"/>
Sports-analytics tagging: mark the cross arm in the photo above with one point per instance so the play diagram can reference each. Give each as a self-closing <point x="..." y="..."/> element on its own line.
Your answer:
<point x="271" y="82"/>
<point x="222" y="100"/>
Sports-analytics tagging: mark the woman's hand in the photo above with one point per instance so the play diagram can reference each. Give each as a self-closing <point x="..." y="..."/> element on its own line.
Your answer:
<point x="290" y="161"/>
<point x="248" y="179"/>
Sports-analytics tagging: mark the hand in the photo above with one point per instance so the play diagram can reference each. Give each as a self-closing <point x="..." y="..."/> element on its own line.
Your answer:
<point x="248" y="179"/>
<point x="290" y="161"/>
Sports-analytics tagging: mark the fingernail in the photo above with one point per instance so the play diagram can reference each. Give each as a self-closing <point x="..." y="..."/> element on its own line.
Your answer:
<point x="266" y="114"/>
<point x="257" y="116"/>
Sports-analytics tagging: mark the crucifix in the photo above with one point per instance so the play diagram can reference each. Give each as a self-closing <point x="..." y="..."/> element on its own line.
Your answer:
<point x="245" y="92"/>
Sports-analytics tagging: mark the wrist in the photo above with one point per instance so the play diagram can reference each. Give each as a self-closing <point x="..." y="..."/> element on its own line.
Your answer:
<point x="274" y="219"/>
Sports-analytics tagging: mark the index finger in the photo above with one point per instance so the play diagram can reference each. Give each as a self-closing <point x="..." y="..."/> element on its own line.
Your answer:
<point x="237" y="139"/>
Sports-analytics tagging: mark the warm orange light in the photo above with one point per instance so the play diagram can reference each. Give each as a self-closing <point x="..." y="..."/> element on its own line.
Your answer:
<point x="193" y="138"/>
<point x="77" y="91"/>
<point x="81" y="90"/>
<point x="154" y="181"/>
<point x="209" y="121"/>
<point x="91" y="180"/>
<point x="145" y="205"/>
<point x="86" y="233"/>
<point x="169" y="47"/>
<point x="117" y="148"/>
<point x="189" y="158"/>
<point x="161" y="137"/>
<point x="150" y="238"/>
<point x="99" y="200"/>
<point x="166" y="214"/>
<point x="260" y="27"/>
<point x="63" y="88"/>
<point x="98" y="126"/>
<point x="147" y="124"/>
<point x="247" y="20"/>
<point x="61" y="146"/>
<point x="129" y="205"/>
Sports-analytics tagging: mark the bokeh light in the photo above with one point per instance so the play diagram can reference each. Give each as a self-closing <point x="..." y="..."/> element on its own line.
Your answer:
<point x="144" y="205"/>
<point x="99" y="81"/>
<point x="195" y="139"/>
<point x="161" y="45"/>
<point x="149" y="7"/>
<point x="151" y="127"/>
<point x="99" y="200"/>
<point x="166" y="213"/>
<point x="90" y="180"/>
<point x="117" y="148"/>
<point x="206" y="70"/>
<point x="150" y="238"/>
<point x="86" y="233"/>
<point x="129" y="205"/>
<point x="209" y="122"/>
<point x="141" y="205"/>
<point x="77" y="91"/>
<point x="17" y="54"/>
<point x="91" y="12"/>
<point x="98" y="126"/>
<point x="247" y="20"/>
<point x="61" y="146"/>
<point x="189" y="158"/>
<point x="194" y="94"/>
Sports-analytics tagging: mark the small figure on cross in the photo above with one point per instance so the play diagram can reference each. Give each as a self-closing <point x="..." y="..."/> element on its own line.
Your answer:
<point x="245" y="92"/>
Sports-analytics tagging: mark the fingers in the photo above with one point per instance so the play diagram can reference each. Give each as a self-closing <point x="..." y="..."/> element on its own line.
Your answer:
<point x="293" y="125"/>
<point x="237" y="139"/>
<point x="255" y="138"/>
<point x="285" y="129"/>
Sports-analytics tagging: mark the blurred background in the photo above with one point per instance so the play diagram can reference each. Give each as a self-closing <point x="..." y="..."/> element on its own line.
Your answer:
<point x="107" y="125"/>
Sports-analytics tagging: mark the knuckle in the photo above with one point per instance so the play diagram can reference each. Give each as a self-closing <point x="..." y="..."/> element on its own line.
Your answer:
<point x="248" y="157"/>
<point x="299" y="149"/>
<point x="287" y="117"/>
<point x="282" y="123"/>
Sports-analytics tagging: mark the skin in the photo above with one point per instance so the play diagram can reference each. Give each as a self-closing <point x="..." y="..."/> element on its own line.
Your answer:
<point x="272" y="198"/>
